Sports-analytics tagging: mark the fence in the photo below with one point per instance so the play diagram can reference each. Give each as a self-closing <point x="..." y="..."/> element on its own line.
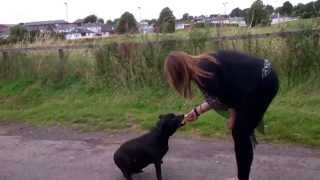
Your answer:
<point x="217" y="39"/>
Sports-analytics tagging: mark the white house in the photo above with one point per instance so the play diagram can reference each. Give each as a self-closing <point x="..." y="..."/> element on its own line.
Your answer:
<point x="144" y="27"/>
<point x="66" y="28"/>
<point x="79" y="33"/>
<point x="179" y="26"/>
<point x="279" y="20"/>
<point x="234" y="21"/>
<point x="239" y="21"/>
<point x="94" y="27"/>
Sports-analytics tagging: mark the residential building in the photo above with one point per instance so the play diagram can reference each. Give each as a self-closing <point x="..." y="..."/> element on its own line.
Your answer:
<point x="79" y="33"/>
<point x="107" y="29"/>
<point x="277" y="19"/>
<point x="145" y="27"/>
<point x="45" y="26"/>
<point x="217" y="20"/>
<point x="4" y="31"/>
<point x="182" y="25"/>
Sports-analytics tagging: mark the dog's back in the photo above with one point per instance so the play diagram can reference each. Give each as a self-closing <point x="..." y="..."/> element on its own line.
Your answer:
<point x="134" y="155"/>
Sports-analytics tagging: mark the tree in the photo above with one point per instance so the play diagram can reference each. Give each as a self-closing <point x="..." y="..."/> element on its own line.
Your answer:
<point x="286" y="9"/>
<point x="237" y="12"/>
<point x="269" y="9"/>
<point x="116" y="21"/>
<point x="100" y="20"/>
<point x="166" y="21"/>
<point x="298" y="9"/>
<point x="18" y="33"/>
<point x="127" y="23"/>
<point x="109" y="22"/>
<point x="257" y="14"/>
<point x="90" y="19"/>
<point x="185" y="17"/>
<point x="152" y="22"/>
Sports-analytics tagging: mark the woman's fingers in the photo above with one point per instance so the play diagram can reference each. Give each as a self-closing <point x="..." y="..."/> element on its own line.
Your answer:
<point x="190" y="116"/>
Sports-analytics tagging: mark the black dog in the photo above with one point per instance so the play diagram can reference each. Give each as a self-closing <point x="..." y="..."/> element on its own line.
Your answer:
<point x="138" y="153"/>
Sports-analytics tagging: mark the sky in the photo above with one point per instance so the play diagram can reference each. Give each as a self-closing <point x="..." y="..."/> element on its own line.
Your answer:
<point x="17" y="11"/>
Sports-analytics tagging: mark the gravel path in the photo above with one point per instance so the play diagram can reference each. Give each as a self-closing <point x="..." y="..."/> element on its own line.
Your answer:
<point x="56" y="153"/>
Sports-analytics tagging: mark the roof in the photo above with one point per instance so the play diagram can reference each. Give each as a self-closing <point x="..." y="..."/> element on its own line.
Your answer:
<point x="79" y="21"/>
<point x="4" y="28"/>
<point x="106" y="28"/>
<point x="92" y="24"/>
<point x="38" y="23"/>
<point x="80" y="30"/>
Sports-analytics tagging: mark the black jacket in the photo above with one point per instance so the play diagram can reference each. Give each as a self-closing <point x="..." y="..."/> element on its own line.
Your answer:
<point x="235" y="77"/>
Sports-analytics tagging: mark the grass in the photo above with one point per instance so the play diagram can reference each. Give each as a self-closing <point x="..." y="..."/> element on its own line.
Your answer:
<point x="292" y="118"/>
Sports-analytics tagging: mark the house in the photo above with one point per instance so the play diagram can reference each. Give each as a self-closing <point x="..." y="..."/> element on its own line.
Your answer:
<point x="237" y="21"/>
<point x="65" y="28"/>
<point x="79" y="33"/>
<point x="228" y="21"/>
<point x="145" y="27"/>
<point x="182" y="25"/>
<point x="107" y="29"/>
<point x="94" y="27"/>
<point x="44" y="26"/>
<point x="277" y="19"/>
<point x="76" y="30"/>
<point x="4" y="31"/>
<point x="79" y="22"/>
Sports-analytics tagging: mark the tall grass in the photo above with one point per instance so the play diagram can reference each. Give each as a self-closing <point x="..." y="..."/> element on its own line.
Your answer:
<point x="135" y="65"/>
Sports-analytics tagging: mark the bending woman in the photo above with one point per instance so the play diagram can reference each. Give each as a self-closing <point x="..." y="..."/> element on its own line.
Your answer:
<point x="242" y="84"/>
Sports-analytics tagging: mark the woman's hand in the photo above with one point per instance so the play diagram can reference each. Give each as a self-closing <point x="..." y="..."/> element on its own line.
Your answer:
<point x="190" y="116"/>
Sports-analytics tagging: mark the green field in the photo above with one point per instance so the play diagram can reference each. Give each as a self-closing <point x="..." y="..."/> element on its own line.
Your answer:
<point x="122" y="86"/>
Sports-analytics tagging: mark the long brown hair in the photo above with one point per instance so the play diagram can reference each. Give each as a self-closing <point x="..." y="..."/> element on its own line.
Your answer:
<point x="181" y="68"/>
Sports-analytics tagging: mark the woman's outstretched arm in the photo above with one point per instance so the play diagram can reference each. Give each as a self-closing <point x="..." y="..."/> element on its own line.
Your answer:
<point x="206" y="106"/>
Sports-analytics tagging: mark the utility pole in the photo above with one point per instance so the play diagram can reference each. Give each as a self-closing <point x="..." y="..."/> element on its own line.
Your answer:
<point x="222" y="21"/>
<point x="66" y="10"/>
<point x="139" y="13"/>
<point x="225" y="3"/>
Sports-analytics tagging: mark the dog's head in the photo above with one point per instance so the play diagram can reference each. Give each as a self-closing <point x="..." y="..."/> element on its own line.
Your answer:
<point x="169" y="123"/>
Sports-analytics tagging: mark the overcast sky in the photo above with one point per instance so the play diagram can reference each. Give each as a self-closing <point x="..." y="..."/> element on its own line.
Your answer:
<point x="16" y="11"/>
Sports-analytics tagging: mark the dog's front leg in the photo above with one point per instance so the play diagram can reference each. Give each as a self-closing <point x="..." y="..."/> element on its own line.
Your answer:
<point x="158" y="170"/>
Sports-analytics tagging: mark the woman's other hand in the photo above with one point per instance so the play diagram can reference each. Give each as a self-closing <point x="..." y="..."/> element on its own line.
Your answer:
<point x="232" y="118"/>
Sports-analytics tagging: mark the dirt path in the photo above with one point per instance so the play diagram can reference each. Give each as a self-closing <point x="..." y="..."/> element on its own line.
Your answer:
<point x="29" y="153"/>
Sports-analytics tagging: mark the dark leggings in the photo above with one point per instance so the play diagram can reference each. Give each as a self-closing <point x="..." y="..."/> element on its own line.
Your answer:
<point x="247" y="119"/>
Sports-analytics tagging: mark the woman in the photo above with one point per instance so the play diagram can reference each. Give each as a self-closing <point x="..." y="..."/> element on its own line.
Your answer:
<point x="242" y="84"/>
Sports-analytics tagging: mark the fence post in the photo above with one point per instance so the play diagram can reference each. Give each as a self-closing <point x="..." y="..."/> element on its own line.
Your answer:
<point x="5" y="54"/>
<point x="61" y="65"/>
<point x="5" y="64"/>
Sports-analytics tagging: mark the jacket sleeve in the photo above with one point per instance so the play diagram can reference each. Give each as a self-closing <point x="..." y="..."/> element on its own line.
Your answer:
<point x="215" y="104"/>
